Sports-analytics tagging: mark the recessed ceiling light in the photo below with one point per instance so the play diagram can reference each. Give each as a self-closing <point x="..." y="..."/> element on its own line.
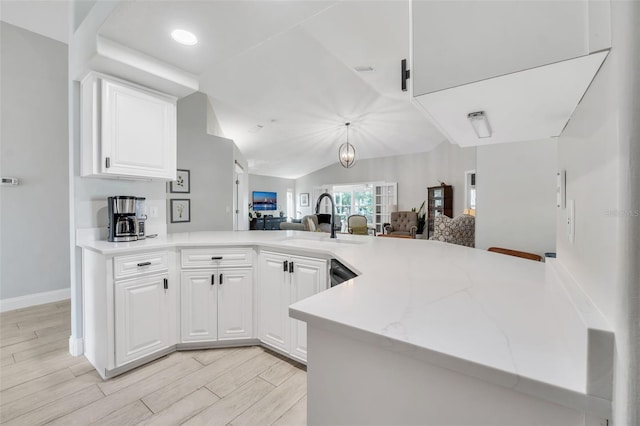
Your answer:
<point x="363" y="68"/>
<point x="184" y="37"/>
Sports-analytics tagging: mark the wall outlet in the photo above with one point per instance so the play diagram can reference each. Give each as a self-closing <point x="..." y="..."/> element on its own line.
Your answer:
<point x="153" y="211"/>
<point x="571" y="221"/>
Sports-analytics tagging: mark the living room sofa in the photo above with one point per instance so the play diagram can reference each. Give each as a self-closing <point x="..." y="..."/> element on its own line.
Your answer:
<point x="322" y="223"/>
<point x="460" y="230"/>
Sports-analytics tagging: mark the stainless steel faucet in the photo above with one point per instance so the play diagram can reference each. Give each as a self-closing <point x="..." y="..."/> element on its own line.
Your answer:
<point x="333" y="212"/>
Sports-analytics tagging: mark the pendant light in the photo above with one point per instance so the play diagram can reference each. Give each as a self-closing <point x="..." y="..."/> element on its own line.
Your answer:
<point x="347" y="152"/>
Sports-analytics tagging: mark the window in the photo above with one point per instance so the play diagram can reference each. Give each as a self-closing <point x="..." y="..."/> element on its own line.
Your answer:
<point x="290" y="203"/>
<point x="343" y="204"/>
<point x="372" y="200"/>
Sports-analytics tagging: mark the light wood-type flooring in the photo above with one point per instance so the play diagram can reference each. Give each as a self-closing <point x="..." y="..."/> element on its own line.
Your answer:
<point x="40" y="383"/>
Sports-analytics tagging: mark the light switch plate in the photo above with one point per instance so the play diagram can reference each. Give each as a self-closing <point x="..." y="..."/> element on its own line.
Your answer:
<point x="561" y="195"/>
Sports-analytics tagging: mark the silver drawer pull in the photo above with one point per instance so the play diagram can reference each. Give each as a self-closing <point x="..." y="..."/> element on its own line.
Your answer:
<point x="140" y="265"/>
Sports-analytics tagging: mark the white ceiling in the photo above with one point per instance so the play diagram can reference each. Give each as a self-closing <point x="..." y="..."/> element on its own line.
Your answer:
<point x="287" y="66"/>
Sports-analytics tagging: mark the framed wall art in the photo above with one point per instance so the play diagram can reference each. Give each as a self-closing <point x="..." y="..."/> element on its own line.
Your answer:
<point x="182" y="184"/>
<point x="304" y="199"/>
<point x="180" y="210"/>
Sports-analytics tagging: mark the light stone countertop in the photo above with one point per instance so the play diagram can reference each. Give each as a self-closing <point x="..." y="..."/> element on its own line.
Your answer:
<point x="491" y="316"/>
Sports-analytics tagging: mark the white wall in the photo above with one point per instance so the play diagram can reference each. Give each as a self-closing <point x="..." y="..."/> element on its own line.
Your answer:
<point x="600" y="151"/>
<point x="210" y="160"/>
<point x="516" y="196"/>
<point x="34" y="225"/>
<point x="272" y="184"/>
<point x="414" y="173"/>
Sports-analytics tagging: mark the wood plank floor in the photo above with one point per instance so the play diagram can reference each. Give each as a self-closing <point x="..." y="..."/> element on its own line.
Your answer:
<point x="40" y="383"/>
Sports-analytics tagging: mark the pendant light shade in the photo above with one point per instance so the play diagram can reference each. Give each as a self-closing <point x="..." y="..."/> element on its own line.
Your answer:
<point x="347" y="152"/>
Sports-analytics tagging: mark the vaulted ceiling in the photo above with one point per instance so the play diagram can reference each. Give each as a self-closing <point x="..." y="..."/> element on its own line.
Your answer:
<point x="282" y="78"/>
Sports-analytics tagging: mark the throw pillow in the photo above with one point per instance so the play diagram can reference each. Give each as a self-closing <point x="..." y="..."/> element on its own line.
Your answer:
<point x="311" y="225"/>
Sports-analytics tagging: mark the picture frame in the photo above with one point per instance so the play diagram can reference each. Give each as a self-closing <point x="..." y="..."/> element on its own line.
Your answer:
<point x="180" y="209"/>
<point x="304" y="199"/>
<point x="182" y="184"/>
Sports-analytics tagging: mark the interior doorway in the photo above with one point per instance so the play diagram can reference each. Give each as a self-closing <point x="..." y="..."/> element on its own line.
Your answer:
<point x="240" y="219"/>
<point x="470" y="192"/>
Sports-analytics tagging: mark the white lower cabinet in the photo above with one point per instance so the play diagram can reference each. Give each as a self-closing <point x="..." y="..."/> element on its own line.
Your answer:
<point x="217" y="304"/>
<point x="198" y="306"/>
<point x="135" y="311"/>
<point x="286" y="279"/>
<point x="144" y="312"/>
<point x="130" y="308"/>
<point x="235" y="304"/>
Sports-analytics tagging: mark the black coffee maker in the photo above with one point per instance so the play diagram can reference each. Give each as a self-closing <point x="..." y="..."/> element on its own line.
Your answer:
<point x="123" y="223"/>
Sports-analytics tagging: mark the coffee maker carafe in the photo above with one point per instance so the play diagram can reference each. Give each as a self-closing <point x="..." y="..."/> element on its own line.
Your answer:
<point x="123" y="224"/>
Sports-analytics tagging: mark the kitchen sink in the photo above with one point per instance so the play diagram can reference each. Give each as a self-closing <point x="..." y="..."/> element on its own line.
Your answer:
<point x="326" y="240"/>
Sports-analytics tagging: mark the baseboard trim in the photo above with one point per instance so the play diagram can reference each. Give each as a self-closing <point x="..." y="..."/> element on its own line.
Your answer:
<point x="76" y="346"/>
<point x="34" y="299"/>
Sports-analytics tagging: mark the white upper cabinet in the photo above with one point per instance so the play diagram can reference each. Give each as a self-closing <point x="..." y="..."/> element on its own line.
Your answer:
<point x="461" y="42"/>
<point x="127" y="130"/>
<point x="525" y="63"/>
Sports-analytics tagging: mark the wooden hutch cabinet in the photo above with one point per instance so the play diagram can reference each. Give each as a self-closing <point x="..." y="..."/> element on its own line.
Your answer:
<point x="439" y="202"/>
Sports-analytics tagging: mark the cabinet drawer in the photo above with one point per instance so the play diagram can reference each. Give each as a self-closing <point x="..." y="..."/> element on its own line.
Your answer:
<point x="140" y="264"/>
<point x="222" y="257"/>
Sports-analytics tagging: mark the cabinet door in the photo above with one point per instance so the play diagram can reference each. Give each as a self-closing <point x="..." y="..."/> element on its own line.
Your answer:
<point x="138" y="132"/>
<point x="308" y="278"/>
<point x="144" y="314"/>
<point x="508" y="36"/>
<point x="273" y="300"/>
<point x="235" y="304"/>
<point x="199" y="301"/>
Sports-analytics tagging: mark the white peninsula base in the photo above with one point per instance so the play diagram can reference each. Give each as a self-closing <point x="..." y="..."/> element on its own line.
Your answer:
<point x="351" y="382"/>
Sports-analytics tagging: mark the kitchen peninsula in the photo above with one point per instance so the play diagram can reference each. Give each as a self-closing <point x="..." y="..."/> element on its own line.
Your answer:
<point x="423" y="327"/>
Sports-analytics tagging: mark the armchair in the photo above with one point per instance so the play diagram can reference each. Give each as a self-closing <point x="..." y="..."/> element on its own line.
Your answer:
<point x="402" y="223"/>
<point x="357" y="225"/>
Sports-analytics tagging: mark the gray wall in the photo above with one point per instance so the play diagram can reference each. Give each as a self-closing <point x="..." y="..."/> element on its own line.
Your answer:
<point x="414" y="173"/>
<point x="34" y="224"/>
<point x="210" y="160"/>
<point x="516" y="196"/>
<point x="599" y="149"/>
<point x="274" y="184"/>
